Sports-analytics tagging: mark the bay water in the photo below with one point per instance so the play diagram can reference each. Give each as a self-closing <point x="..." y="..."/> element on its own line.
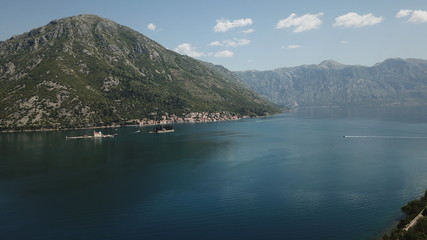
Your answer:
<point x="289" y="176"/>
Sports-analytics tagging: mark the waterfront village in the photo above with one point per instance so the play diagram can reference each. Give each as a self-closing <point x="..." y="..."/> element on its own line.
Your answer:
<point x="165" y="119"/>
<point x="194" y="117"/>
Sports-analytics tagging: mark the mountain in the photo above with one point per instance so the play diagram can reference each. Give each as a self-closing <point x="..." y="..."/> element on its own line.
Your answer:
<point x="394" y="81"/>
<point x="86" y="70"/>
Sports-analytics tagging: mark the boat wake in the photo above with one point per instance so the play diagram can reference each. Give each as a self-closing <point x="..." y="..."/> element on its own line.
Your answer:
<point x="396" y="137"/>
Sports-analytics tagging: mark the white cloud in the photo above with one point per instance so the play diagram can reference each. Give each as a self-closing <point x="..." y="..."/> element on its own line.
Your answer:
<point x="215" y="44"/>
<point x="304" y="23"/>
<point x="345" y="42"/>
<point x="415" y="16"/>
<point x="224" y="54"/>
<point x="189" y="50"/>
<point x="293" y="46"/>
<point x="418" y="16"/>
<point x="223" y="25"/>
<point x="236" y="42"/>
<point x="247" y="31"/>
<point x="404" y="13"/>
<point x="152" y="27"/>
<point x="355" y="20"/>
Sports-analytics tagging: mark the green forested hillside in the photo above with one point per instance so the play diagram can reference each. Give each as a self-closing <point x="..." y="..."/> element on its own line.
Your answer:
<point x="86" y="71"/>
<point x="417" y="231"/>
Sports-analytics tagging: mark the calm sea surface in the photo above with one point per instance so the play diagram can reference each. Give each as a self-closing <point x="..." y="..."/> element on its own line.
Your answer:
<point x="291" y="176"/>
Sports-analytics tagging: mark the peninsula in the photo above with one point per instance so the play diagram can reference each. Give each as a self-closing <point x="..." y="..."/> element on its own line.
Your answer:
<point x="414" y="225"/>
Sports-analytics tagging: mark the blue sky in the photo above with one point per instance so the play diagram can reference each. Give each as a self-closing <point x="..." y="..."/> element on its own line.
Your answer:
<point x="249" y="34"/>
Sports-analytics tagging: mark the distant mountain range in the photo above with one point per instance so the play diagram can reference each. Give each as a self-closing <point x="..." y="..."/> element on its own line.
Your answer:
<point x="392" y="82"/>
<point x="86" y="71"/>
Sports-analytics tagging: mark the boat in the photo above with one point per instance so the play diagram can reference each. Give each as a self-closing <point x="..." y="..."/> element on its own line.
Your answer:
<point x="163" y="129"/>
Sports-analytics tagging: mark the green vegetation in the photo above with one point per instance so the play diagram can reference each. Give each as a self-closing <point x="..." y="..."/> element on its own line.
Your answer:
<point x="88" y="71"/>
<point x="419" y="230"/>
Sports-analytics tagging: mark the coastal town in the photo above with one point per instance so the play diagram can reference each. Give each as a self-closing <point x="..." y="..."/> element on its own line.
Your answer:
<point x="193" y="117"/>
<point x="166" y="119"/>
<point x="154" y="119"/>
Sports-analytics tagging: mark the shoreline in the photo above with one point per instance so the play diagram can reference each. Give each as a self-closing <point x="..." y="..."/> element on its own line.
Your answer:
<point x="58" y="129"/>
<point x="123" y="125"/>
<point x="192" y="117"/>
<point x="408" y="226"/>
<point x="155" y="119"/>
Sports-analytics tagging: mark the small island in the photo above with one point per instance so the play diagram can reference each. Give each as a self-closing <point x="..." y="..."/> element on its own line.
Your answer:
<point x="414" y="225"/>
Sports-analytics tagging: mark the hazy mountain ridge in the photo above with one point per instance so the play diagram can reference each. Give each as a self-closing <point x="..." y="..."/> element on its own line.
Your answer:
<point x="86" y="70"/>
<point x="393" y="81"/>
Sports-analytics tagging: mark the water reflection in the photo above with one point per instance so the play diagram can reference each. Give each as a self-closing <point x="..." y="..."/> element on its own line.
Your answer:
<point x="46" y="162"/>
<point x="249" y="179"/>
<point x="410" y="114"/>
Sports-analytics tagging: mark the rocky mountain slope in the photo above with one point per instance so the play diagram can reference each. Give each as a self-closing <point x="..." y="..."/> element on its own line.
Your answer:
<point x="86" y="71"/>
<point x="394" y="81"/>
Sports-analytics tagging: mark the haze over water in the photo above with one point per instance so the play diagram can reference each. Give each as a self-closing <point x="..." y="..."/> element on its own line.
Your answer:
<point x="291" y="176"/>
